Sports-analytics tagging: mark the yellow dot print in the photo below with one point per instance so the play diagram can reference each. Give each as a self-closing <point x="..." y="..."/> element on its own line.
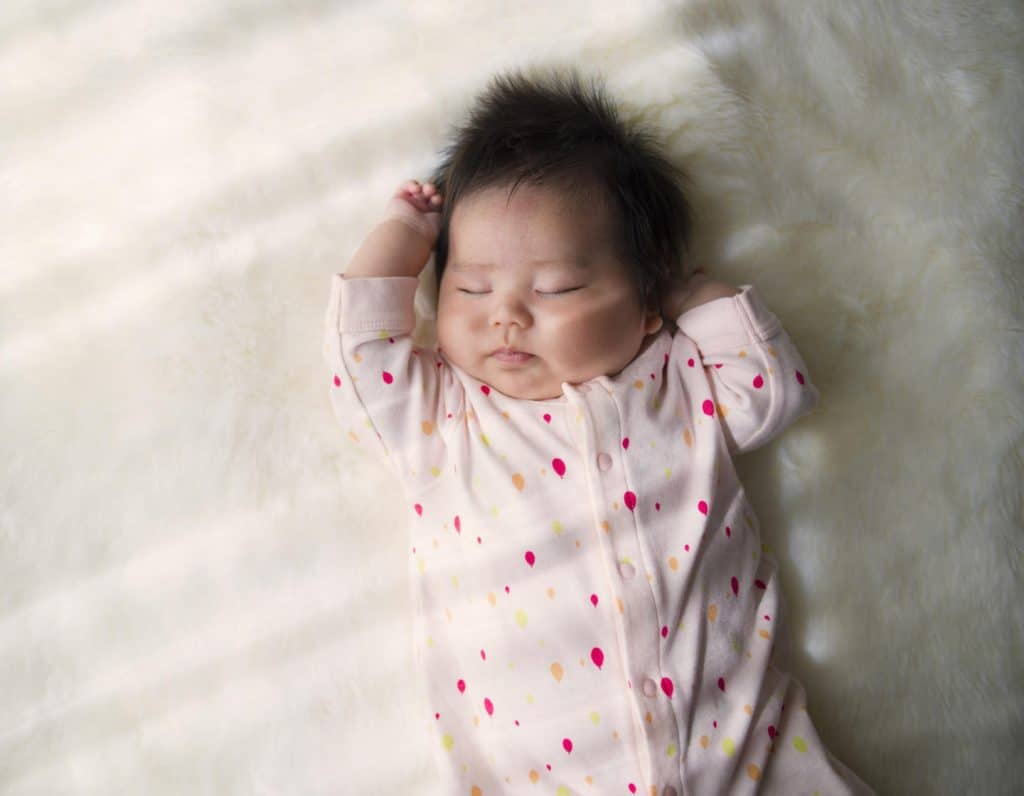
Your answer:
<point x="419" y="564"/>
<point x="799" y="744"/>
<point x="484" y="440"/>
<point x="455" y="581"/>
<point x="668" y="472"/>
<point x="671" y="751"/>
<point x="563" y="791"/>
<point x="595" y="718"/>
<point x="435" y="471"/>
<point x="556" y="526"/>
<point x="447" y="742"/>
<point x="521" y="618"/>
<point x="753" y="772"/>
<point x="728" y="746"/>
<point x="518" y="481"/>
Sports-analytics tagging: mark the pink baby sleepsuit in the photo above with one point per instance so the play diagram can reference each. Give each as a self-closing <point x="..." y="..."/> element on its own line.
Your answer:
<point x="594" y="612"/>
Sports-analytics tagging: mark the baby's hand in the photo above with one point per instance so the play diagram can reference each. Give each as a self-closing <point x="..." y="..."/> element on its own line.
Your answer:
<point x="419" y="206"/>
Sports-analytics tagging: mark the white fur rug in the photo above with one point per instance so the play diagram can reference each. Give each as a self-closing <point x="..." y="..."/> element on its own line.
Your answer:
<point x="202" y="580"/>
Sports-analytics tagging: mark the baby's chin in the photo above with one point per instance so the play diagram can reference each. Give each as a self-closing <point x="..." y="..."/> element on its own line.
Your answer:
<point x="516" y="382"/>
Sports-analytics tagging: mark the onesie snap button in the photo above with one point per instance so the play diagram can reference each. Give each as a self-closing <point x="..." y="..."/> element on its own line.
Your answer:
<point x="604" y="461"/>
<point x="669" y="791"/>
<point x="626" y="570"/>
<point x="650" y="688"/>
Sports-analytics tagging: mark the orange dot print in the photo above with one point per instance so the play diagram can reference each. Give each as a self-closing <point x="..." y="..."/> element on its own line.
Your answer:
<point x="518" y="481"/>
<point x="753" y="772"/>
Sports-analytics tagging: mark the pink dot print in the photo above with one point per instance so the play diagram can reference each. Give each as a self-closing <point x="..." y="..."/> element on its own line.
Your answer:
<point x="461" y="685"/>
<point x="485" y="389"/>
<point x="760" y="584"/>
<point x="667" y="686"/>
<point x="597" y="656"/>
<point x="630" y="499"/>
<point x="547" y="418"/>
<point x="721" y="683"/>
<point x="558" y="466"/>
<point x="664" y="631"/>
<point x="708" y="407"/>
<point x="337" y="381"/>
<point x="728" y="531"/>
<point x="758" y="382"/>
<point x="567" y="745"/>
<point x="771" y="730"/>
<point x="458" y="524"/>
<point x="593" y="600"/>
<point x="690" y="362"/>
<point x="799" y="376"/>
<point x="388" y="378"/>
<point x="488" y="706"/>
<point x="483" y="655"/>
<point x="419" y="509"/>
<point x="632" y="788"/>
<point x="735" y="585"/>
<point x="530" y="557"/>
<point x="702" y="507"/>
<point x="625" y="443"/>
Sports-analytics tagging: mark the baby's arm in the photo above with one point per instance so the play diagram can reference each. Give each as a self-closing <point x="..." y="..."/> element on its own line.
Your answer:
<point x="400" y="245"/>
<point x="758" y="381"/>
<point x="392" y="396"/>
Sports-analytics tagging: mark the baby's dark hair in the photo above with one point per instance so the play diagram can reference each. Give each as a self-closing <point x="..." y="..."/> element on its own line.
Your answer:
<point x="552" y="130"/>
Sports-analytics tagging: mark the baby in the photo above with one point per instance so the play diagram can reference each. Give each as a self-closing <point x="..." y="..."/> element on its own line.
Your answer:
<point x="594" y="610"/>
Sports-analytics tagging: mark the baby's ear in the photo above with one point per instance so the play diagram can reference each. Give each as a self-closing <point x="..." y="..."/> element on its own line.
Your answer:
<point x="654" y="322"/>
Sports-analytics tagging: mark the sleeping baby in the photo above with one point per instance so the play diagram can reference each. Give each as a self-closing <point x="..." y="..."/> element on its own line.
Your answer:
<point x="594" y="610"/>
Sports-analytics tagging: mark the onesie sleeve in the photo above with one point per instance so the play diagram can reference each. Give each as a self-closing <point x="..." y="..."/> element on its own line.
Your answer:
<point x="391" y="396"/>
<point x="759" y="383"/>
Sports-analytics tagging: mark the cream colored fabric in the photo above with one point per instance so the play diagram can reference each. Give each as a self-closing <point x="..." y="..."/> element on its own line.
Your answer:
<point x="191" y="597"/>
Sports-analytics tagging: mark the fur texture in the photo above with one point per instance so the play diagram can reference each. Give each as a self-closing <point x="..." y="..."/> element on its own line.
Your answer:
<point x="202" y="580"/>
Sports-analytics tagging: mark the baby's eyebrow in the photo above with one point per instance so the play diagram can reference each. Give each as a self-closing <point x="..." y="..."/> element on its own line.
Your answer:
<point x="572" y="264"/>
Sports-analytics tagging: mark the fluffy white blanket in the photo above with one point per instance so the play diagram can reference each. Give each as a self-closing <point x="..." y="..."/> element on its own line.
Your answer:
<point x="202" y="581"/>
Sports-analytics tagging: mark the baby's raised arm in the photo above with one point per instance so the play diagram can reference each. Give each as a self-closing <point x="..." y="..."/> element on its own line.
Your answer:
<point x="392" y="397"/>
<point x="400" y="245"/>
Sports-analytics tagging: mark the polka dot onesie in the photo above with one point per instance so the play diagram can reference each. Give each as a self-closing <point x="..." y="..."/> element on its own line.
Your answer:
<point x="594" y="611"/>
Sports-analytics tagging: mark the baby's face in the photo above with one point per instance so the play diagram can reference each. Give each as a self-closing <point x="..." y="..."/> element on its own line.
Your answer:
<point x="500" y="287"/>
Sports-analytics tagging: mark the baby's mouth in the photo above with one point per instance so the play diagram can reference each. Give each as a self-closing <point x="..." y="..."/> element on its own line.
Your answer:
<point x="511" y="356"/>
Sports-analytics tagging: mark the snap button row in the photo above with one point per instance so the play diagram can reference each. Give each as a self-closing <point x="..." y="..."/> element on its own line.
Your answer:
<point x="627" y="570"/>
<point x="604" y="461"/>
